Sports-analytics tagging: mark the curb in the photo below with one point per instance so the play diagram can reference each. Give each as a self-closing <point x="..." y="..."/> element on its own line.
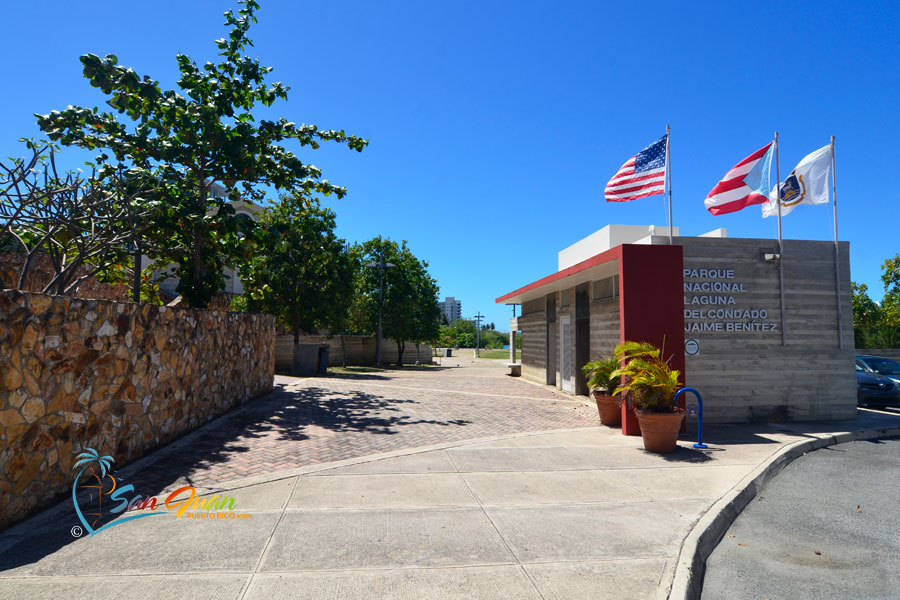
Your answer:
<point x="711" y="528"/>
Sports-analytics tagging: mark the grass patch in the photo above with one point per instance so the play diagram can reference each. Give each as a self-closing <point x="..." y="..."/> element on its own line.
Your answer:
<point x="500" y="354"/>
<point x="357" y="369"/>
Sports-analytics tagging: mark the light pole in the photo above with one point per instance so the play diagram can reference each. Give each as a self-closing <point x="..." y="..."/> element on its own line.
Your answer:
<point x="381" y="267"/>
<point x="478" y="318"/>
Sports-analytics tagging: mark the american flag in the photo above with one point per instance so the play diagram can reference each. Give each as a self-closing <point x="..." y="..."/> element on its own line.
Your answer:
<point x="644" y="174"/>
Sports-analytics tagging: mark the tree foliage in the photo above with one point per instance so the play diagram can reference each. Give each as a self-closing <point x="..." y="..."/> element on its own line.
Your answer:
<point x="878" y="325"/>
<point x="461" y="334"/>
<point x="411" y="312"/>
<point x="203" y="134"/>
<point x="301" y="272"/>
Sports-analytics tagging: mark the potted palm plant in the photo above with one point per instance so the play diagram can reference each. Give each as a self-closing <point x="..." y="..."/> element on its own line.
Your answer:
<point x="649" y="384"/>
<point x="603" y="384"/>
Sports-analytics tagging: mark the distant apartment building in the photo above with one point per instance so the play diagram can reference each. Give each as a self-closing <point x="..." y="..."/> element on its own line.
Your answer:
<point x="452" y="309"/>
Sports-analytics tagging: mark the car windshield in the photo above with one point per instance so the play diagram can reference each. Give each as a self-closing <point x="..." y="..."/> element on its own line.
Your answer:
<point x="884" y="365"/>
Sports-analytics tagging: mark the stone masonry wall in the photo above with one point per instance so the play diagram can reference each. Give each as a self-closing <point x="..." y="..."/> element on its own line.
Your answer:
<point x="119" y="377"/>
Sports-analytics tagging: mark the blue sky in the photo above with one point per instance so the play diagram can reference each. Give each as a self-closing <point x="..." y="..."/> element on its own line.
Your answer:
<point x="495" y="126"/>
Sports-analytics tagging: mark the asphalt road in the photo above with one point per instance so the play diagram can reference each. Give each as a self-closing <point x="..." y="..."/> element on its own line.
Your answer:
<point x="803" y="536"/>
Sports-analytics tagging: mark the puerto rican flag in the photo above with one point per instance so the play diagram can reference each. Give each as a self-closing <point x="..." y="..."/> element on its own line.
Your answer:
<point x="747" y="183"/>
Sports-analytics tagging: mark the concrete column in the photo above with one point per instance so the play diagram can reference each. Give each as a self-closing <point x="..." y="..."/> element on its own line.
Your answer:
<point x="513" y="327"/>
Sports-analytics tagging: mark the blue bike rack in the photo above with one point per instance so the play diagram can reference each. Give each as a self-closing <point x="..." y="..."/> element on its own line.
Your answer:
<point x="699" y="443"/>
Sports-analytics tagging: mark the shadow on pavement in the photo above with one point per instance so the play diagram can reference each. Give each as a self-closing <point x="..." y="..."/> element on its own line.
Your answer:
<point x="686" y="455"/>
<point x="288" y="413"/>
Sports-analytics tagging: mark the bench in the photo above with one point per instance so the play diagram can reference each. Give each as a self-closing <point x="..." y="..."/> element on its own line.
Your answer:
<point x="515" y="369"/>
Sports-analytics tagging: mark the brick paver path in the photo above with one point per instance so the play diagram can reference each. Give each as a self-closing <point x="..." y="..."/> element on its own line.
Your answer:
<point x="323" y="419"/>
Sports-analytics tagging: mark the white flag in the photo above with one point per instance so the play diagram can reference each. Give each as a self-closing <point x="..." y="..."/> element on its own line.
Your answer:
<point x="807" y="184"/>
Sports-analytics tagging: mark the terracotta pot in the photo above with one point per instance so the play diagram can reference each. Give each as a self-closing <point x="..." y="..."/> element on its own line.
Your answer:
<point x="608" y="406"/>
<point x="660" y="430"/>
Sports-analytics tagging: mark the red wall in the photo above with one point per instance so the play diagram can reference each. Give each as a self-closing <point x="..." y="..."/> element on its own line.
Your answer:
<point x="651" y="305"/>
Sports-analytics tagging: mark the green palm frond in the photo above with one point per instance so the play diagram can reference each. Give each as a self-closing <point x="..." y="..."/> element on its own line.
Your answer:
<point x="601" y="374"/>
<point x="648" y="380"/>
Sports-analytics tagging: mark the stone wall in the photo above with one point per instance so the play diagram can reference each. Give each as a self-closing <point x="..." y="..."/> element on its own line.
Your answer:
<point x="119" y="377"/>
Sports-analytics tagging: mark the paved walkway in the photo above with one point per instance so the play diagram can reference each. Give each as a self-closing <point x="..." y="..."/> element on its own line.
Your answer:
<point x="308" y="421"/>
<point x="581" y="513"/>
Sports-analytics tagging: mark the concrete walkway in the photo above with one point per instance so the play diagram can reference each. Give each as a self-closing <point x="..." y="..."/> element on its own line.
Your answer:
<point x="580" y="513"/>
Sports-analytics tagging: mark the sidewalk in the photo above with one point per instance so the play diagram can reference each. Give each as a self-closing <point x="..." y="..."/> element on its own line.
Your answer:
<point x="579" y="513"/>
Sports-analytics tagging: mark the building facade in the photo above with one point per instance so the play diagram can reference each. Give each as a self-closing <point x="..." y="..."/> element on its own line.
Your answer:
<point x="451" y="308"/>
<point x="715" y="305"/>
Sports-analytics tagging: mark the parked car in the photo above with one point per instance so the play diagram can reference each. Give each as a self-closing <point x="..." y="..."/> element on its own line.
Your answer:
<point x="872" y="388"/>
<point x="880" y="366"/>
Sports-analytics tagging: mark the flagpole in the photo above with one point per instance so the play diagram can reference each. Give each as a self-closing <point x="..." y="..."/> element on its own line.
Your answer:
<point x="780" y="241"/>
<point x="669" y="180"/>
<point x="837" y="276"/>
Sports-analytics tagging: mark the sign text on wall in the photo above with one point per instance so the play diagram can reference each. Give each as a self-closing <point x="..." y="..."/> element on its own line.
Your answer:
<point x="711" y="303"/>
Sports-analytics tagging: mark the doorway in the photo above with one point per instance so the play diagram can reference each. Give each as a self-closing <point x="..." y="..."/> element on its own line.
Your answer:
<point x="565" y="357"/>
<point x="551" y="339"/>
<point x="582" y="335"/>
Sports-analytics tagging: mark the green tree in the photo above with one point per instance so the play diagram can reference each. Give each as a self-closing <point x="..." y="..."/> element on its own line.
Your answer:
<point x="866" y="317"/>
<point x="891" y="275"/>
<point x="492" y="338"/>
<point x="410" y="312"/>
<point x="877" y="325"/>
<point x="447" y="337"/>
<point x="188" y="141"/>
<point x="890" y="304"/>
<point x="464" y="333"/>
<point x="301" y="271"/>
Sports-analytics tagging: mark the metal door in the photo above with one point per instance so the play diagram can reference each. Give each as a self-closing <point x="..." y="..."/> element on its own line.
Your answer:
<point x="565" y="356"/>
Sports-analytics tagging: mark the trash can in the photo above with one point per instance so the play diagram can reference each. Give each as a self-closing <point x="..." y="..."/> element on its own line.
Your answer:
<point x="304" y="360"/>
<point x="323" y="359"/>
<point x="448" y="351"/>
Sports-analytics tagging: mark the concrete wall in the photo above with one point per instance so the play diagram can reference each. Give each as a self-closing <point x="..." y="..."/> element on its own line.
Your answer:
<point x="892" y="353"/>
<point x="604" y="327"/>
<point x="534" y="340"/>
<point x="747" y="376"/>
<point x="360" y="351"/>
<point x="118" y="377"/>
<point x="608" y="237"/>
